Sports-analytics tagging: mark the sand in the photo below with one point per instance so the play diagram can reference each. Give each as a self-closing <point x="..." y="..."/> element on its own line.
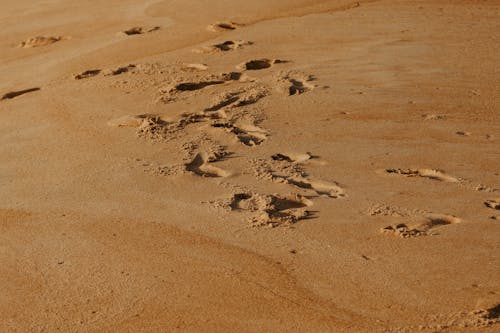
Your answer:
<point x="249" y="166"/>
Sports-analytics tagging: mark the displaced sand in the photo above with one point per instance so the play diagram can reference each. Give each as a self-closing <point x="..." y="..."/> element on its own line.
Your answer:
<point x="249" y="166"/>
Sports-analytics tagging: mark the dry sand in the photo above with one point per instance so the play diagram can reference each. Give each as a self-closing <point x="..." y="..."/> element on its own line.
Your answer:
<point x="249" y="166"/>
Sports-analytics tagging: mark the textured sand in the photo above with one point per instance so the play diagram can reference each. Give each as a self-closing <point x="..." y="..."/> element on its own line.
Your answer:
<point x="249" y="166"/>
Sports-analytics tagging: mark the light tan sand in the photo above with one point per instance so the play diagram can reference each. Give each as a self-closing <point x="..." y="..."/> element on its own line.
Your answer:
<point x="249" y="166"/>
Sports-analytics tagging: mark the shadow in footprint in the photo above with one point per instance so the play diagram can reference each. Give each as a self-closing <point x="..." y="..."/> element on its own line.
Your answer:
<point x="493" y="204"/>
<point x="191" y="86"/>
<point x="201" y="167"/>
<point x="273" y="210"/>
<point x="425" y="173"/>
<point x="14" y="94"/>
<point x="299" y="87"/>
<point x="293" y="158"/>
<point x="321" y="188"/>
<point x="258" y="64"/>
<point x="139" y="30"/>
<point x="87" y="74"/>
<point x="223" y="26"/>
<point x="230" y="45"/>
<point x="431" y="222"/>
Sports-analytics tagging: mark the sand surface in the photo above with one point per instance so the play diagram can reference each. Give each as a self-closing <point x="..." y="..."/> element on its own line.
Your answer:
<point x="249" y="166"/>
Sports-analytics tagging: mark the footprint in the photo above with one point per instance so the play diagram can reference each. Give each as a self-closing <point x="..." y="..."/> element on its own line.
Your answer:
<point x="485" y="315"/>
<point x="227" y="99"/>
<point x="14" y="94"/>
<point x="248" y="134"/>
<point x="190" y="86"/>
<point x="201" y="166"/>
<point x="239" y="98"/>
<point x="39" y="41"/>
<point x="286" y="172"/>
<point x="229" y="45"/>
<point x="293" y="157"/>
<point x="168" y="94"/>
<point x="387" y="210"/>
<point x="296" y="83"/>
<point x="488" y="310"/>
<point x="155" y="128"/>
<point x="431" y="222"/>
<point x="462" y="133"/>
<point x="139" y="30"/>
<point x="223" y="26"/>
<point x="493" y="204"/>
<point x="425" y="173"/>
<point x="119" y="70"/>
<point x="272" y="210"/>
<point x="259" y="64"/>
<point x="87" y="74"/>
<point x="299" y="87"/>
<point x="321" y="188"/>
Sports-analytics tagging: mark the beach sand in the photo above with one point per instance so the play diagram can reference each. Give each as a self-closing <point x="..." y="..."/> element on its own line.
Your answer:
<point x="249" y="166"/>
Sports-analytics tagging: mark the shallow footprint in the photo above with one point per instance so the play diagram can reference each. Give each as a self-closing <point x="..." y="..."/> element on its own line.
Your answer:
<point x="39" y="41"/>
<point x="229" y="45"/>
<point x="424" y="228"/>
<point x="293" y="157"/>
<point x="425" y="173"/>
<point x="238" y="98"/>
<point x="321" y="188"/>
